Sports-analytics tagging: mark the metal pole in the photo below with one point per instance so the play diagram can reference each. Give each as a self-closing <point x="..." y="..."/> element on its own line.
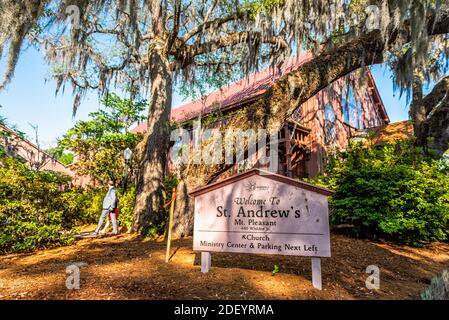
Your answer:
<point x="125" y="182"/>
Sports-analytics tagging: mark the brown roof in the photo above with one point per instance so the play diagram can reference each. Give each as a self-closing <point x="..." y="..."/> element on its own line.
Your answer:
<point x="245" y="91"/>
<point x="393" y="132"/>
<point x="389" y="133"/>
<point x="251" y="87"/>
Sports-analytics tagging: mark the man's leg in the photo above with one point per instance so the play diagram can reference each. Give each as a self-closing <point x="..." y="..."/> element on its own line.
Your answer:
<point x="104" y="213"/>
<point x="106" y="226"/>
<point x="114" y="223"/>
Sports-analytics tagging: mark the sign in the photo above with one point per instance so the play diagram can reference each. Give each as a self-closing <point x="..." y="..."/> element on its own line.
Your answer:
<point x="262" y="213"/>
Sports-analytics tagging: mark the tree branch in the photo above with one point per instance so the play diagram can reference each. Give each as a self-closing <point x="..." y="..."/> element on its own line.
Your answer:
<point x="175" y="31"/>
<point x="216" y="23"/>
<point x="295" y="88"/>
<point x="436" y="125"/>
<point x="187" y="53"/>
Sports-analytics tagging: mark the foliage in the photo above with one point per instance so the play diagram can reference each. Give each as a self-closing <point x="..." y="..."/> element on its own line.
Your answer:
<point x="80" y="206"/>
<point x="100" y="141"/>
<point x="154" y="231"/>
<point x="116" y="42"/>
<point x="65" y="158"/>
<point x="87" y="206"/>
<point x="264" y="6"/>
<point x="42" y="209"/>
<point x="275" y="270"/>
<point x="84" y="206"/>
<point x="438" y="289"/>
<point x="126" y="207"/>
<point x="2" y="119"/>
<point x="31" y="211"/>
<point x="170" y="183"/>
<point x="25" y="228"/>
<point x="99" y="52"/>
<point x="389" y="192"/>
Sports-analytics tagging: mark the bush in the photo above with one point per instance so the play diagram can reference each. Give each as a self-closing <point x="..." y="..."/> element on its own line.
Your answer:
<point x="32" y="211"/>
<point x="170" y="182"/>
<point x="25" y="228"/>
<point x="78" y="206"/>
<point x="126" y="207"/>
<point x="41" y="209"/>
<point x="29" y="213"/>
<point x="84" y="207"/>
<point x="438" y="289"/>
<point x="389" y="192"/>
<point x="93" y="205"/>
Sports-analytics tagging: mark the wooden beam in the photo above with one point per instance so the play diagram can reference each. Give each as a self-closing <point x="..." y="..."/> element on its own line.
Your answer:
<point x="288" y="146"/>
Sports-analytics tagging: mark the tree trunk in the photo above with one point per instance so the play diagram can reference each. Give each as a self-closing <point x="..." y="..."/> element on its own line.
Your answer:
<point x="435" y="128"/>
<point x="184" y="208"/>
<point x="148" y="210"/>
<point x="418" y="112"/>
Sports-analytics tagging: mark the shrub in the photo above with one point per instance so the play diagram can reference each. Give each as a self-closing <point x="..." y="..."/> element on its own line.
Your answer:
<point x="389" y="192"/>
<point x="126" y="207"/>
<point x="31" y="211"/>
<point x="25" y="228"/>
<point x="93" y="204"/>
<point x="80" y="206"/>
<point x="90" y="204"/>
<point x="84" y="207"/>
<point x="170" y="182"/>
<point x="438" y="289"/>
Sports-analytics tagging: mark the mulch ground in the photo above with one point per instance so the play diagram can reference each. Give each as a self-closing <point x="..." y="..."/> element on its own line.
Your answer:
<point x="126" y="267"/>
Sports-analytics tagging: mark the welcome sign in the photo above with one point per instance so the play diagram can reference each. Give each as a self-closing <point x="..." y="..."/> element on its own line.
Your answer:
<point x="264" y="213"/>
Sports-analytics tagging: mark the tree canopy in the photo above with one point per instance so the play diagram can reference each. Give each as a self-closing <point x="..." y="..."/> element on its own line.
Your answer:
<point x="94" y="43"/>
<point x="99" y="142"/>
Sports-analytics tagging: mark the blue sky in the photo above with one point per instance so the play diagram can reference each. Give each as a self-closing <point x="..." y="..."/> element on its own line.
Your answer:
<point x="29" y="99"/>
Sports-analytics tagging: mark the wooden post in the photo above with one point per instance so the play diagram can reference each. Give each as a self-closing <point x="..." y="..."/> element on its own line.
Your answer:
<point x="288" y="149"/>
<point x="316" y="273"/>
<point x="170" y="223"/>
<point x="206" y="262"/>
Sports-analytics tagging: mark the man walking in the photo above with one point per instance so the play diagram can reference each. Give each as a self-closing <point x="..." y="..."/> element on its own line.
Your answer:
<point x="109" y="205"/>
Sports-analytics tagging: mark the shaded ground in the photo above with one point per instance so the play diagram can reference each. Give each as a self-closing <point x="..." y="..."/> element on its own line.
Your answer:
<point x="125" y="267"/>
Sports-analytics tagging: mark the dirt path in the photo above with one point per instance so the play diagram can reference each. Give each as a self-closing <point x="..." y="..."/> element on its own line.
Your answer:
<point x="124" y="267"/>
